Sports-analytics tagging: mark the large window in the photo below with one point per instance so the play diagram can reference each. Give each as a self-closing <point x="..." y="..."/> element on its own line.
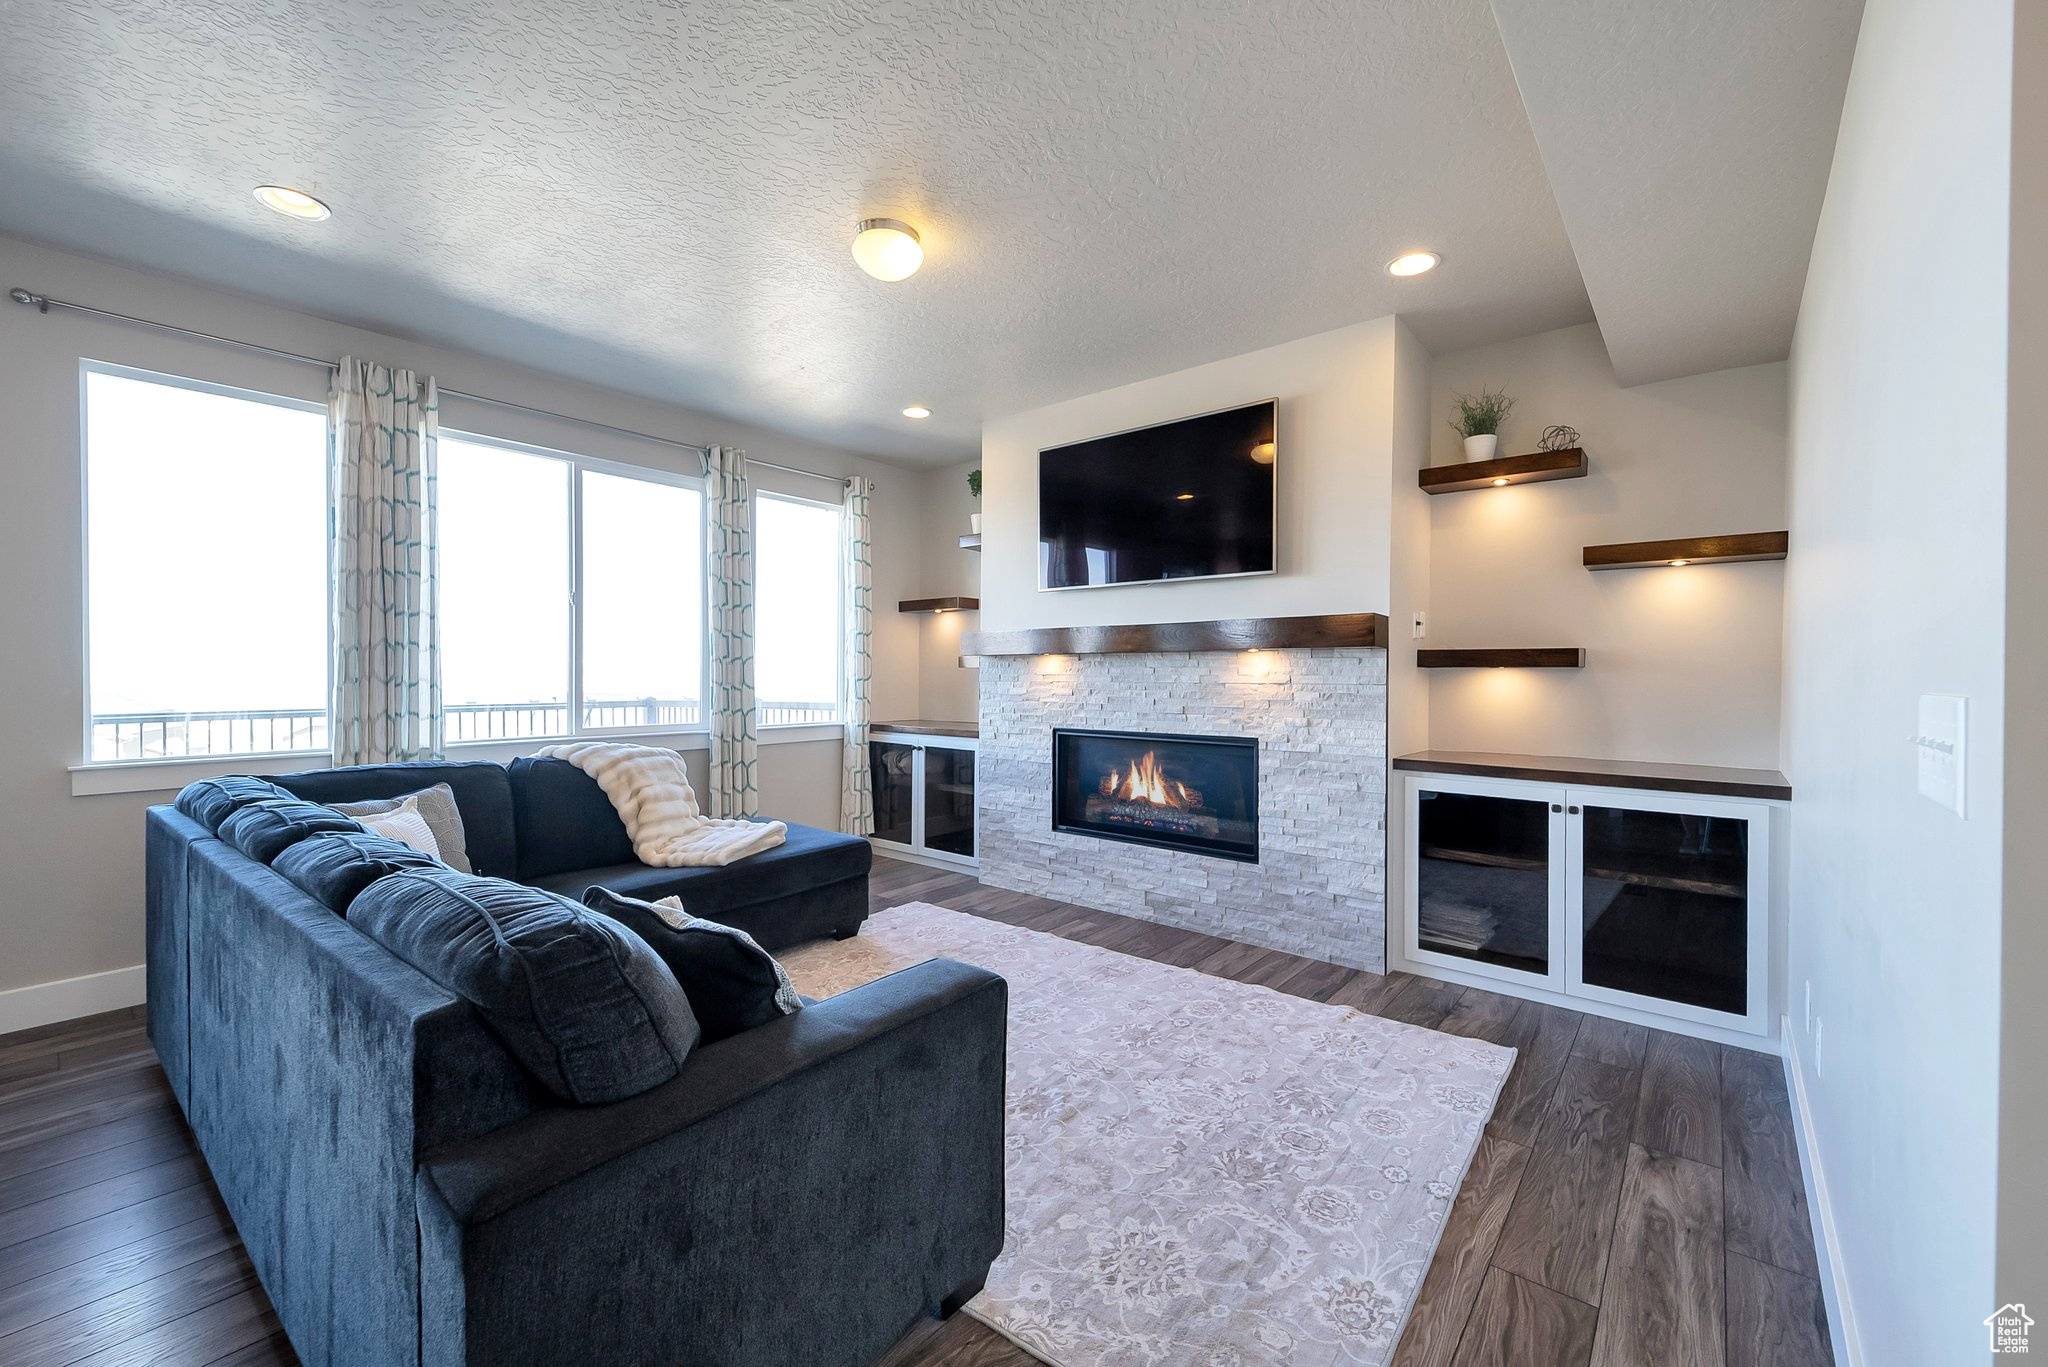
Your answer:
<point x="206" y="570"/>
<point x="643" y="603"/>
<point x="572" y="595"/>
<point x="796" y="611"/>
<point x="505" y="591"/>
<point x="572" y="591"/>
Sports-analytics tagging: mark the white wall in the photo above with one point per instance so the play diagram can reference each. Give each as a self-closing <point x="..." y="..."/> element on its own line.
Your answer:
<point x="1335" y="420"/>
<point x="1682" y="664"/>
<point x="2023" y="1091"/>
<point x="946" y="690"/>
<point x="1896" y="588"/>
<point x="1408" y="690"/>
<point x="71" y="895"/>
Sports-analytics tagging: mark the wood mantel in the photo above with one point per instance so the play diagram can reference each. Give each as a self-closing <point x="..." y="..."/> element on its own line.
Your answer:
<point x="1346" y="630"/>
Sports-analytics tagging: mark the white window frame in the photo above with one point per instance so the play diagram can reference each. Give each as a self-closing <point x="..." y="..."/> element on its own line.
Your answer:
<point x="838" y="721"/>
<point x="577" y="465"/>
<point x="91" y="776"/>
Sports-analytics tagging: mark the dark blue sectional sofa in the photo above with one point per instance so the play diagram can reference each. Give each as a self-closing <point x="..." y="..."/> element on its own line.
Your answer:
<point x="795" y="1196"/>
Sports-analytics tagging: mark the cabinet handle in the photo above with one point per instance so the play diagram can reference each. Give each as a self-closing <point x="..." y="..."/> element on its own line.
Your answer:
<point x="1557" y="806"/>
<point x="1574" y="811"/>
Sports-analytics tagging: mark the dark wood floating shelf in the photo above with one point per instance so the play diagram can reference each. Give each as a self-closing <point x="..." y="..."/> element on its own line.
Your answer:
<point x="1708" y="779"/>
<point x="1337" y="631"/>
<point x="1519" y="657"/>
<point x="1689" y="550"/>
<point x="938" y="605"/>
<point x="971" y="542"/>
<point x="1533" y="468"/>
<point x="965" y="730"/>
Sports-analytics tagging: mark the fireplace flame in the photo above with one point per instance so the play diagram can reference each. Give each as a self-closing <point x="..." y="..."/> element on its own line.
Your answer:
<point x="1147" y="782"/>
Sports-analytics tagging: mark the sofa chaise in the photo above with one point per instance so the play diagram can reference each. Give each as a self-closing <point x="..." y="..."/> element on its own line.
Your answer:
<point x="795" y="1196"/>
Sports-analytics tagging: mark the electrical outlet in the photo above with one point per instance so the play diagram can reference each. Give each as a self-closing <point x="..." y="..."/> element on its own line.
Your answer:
<point x="1820" y="1064"/>
<point x="1421" y="626"/>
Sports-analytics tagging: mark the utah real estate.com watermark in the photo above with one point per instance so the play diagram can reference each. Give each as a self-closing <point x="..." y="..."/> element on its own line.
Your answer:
<point x="2008" y="1325"/>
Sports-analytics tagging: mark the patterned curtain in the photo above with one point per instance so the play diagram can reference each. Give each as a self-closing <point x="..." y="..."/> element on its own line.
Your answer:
<point x="856" y="787"/>
<point x="735" y="791"/>
<point x="382" y="426"/>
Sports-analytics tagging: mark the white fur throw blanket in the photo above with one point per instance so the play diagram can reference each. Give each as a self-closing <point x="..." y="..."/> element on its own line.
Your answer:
<point x="653" y="796"/>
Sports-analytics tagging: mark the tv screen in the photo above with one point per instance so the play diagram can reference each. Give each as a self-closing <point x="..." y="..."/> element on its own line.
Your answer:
<point x="1191" y="499"/>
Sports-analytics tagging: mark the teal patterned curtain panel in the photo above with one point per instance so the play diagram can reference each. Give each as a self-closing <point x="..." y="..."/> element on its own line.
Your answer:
<point x="382" y="425"/>
<point x="729" y="543"/>
<point x="857" y="572"/>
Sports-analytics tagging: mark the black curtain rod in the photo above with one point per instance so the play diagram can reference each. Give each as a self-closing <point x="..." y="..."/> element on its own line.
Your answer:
<point x="43" y="303"/>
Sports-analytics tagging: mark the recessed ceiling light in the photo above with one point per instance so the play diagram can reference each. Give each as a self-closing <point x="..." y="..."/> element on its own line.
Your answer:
<point x="1680" y="564"/>
<point x="291" y="203"/>
<point x="1413" y="263"/>
<point x="1500" y="484"/>
<point x="918" y="411"/>
<point x="1183" y="497"/>
<point x="887" y="248"/>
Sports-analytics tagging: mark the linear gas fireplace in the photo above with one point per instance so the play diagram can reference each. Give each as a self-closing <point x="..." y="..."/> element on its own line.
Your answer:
<point x="1194" y="793"/>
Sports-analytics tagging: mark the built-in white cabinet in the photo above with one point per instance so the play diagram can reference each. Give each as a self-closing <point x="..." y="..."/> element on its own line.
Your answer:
<point x="1651" y="902"/>
<point x="924" y="797"/>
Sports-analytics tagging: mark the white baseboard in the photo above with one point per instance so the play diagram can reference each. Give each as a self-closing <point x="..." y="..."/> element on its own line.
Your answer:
<point x="1827" y="1244"/>
<point x="25" y="1008"/>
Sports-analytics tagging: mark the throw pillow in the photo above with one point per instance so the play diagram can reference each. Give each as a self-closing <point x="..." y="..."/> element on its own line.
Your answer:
<point x="211" y="801"/>
<point x="579" y="1000"/>
<point x="436" y="805"/>
<point x="733" y="984"/>
<point x="334" y="867"/>
<point x="264" y="830"/>
<point x="404" y="824"/>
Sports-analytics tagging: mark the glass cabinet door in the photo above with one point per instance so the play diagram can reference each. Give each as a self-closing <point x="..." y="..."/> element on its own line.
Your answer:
<point x="1483" y="878"/>
<point x="892" y="767"/>
<point x="949" y="801"/>
<point x="1665" y="910"/>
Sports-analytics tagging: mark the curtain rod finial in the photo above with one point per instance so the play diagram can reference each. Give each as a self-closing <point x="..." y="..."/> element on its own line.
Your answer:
<point x="21" y="296"/>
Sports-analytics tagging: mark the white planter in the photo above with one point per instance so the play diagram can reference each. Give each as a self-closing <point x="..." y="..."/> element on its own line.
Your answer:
<point x="1483" y="446"/>
<point x="974" y="523"/>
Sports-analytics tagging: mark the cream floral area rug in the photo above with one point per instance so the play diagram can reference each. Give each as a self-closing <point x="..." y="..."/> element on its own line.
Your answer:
<point x="1202" y="1173"/>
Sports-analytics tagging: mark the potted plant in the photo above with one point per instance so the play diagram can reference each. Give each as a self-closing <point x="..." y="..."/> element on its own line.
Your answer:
<point x="1477" y="418"/>
<point x="974" y="487"/>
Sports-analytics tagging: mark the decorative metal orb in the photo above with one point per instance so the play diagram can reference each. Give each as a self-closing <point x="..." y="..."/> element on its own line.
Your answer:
<point x="1559" y="438"/>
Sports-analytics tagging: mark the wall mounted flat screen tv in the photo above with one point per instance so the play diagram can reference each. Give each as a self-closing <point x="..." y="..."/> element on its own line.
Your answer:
<point x="1191" y="499"/>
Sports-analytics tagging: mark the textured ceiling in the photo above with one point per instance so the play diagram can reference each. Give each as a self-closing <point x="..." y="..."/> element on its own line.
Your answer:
<point x="658" y="196"/>
<point x="1689" y="144"/>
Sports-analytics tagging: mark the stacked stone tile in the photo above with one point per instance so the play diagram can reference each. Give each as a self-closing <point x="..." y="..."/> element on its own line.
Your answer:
<point x="1320" y="717"/>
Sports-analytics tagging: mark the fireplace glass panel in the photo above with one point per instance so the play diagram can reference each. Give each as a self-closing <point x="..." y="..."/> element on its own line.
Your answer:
<point x="1194" y="793"/>
<point x="1667" y="906"/>
<point x="1482" y="888"/>
<point x="890" y="766"/>
<point x="949" y="800"/>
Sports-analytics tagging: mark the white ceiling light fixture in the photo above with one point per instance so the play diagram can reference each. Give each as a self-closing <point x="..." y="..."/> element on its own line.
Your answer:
<point x="887" y="248"/>
<point x="291" y="203"/>
<point x="1413" y="263"/>
<point x="917" y="412"/>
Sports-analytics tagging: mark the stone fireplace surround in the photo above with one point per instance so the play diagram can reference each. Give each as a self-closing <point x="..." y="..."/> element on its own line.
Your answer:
<point x="1320" y="717"/>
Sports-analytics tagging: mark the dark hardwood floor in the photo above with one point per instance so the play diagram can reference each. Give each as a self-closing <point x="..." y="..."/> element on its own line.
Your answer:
<point x="1636" y="1201"/>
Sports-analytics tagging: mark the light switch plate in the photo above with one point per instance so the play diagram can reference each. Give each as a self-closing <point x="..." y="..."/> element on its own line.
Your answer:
<point x="1941" y="743"/>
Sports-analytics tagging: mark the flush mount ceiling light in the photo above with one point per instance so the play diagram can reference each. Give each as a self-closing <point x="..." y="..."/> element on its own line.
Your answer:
<point x="1264" y="452"/>
<point x="917" y="411"/>
<point x="291" y="203"/>
<point x="1413" y="263"/>
<point x="887" y="248"/>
